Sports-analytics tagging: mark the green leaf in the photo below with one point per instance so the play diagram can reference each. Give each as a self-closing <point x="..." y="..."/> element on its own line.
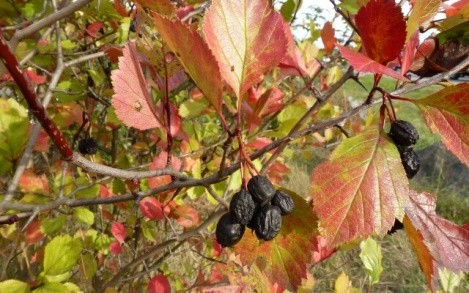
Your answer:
<point x="14" y="286"/>
<point x="86" y="192"/>
<point x="449" y="280"/>
<point x="52" y="288"/>
<point x="149" y="230"/>
<point x="88" y="265"/>
<point x="288" y="9"/>
<point x="72" y="288"/>
<point x="50" y="225"/>
<point x="13" y="129"/>
<point x="192" y="108"/>
<point x="68" y="45"/>
<point x="61" y="254"/>
<point x="371" y="257"/>
<point x="84" y="215"/>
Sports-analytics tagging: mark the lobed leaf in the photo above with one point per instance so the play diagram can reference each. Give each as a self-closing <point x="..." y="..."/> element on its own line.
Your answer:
<point x="447" y="113"/>
<point x="132" y="101"/>
<point x="382" y="29"/>
<point x="284" y="259"/>
<point x="247" y="39"/>
<point x="361" y="189"/>
<point x="194" y="55"/>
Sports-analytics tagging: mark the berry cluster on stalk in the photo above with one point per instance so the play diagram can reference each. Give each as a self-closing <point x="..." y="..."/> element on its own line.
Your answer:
<point x="260" y="208"/>
<point x="405" y="136"/>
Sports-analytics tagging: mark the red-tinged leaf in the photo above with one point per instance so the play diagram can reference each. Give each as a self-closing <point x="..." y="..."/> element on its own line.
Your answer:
<point x="194" y="55"/>
<point x="159" y="162"/>
<point x="269" y="102"/>
<point x="186" y="216"/>
<point x="115" y="247"/>
<point x="447" y="113"/>
<point x="35" y="78"/>
<point x="382" y="29"/>
<point x="328" y="38"/>
<point x="422" y="12"/>
<point x="42" y="142"/>
<point x="113" y="53"/>
<point x="94" y="28"/>
<point x="30" y="182"/>
<point x="151" y="208"/>
<point x="247" y="39"/>
<point x="285" y="258"/>
<point x="120" y="8"/>
<point x="293" y="62"/>
<point x="119" y="232"/>
<point x="321" y="251"/>
<point x="361" y="63"/>
<point x="132" y="100"/>
<point x="426" y="260"/>
<point x="159" y="284"/>
<point x="164" y="7"/>
<point x="361" y="189"/>
<point x="33" y="233"/>
<point x="409" y="52"/>
<point x="181" y="12"/>
<point x="424" y="51"/>
<point x="447" y="242"/>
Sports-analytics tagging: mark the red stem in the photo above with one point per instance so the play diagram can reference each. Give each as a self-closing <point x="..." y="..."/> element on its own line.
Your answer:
<point x="35" y="106"/>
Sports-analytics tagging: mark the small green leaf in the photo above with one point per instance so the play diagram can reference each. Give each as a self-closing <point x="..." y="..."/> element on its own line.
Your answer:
<point x="86" y="192"/>
<point x="68" y="45"/>
<point x="58" y="278"/>
<point x="50" y="225"/>
<point x="88" y="265"/>
<point x="449" y="280"/>
<point x="72" y="288"/>
<point x="84" y="215"/>
<point x="61" y="254"/>
<point x="149" y="230"/>
<point x="371" y="257"/>
<point x="52" y="288"/>
<point x="192" y="108"/>
<point x="14" y="286"/>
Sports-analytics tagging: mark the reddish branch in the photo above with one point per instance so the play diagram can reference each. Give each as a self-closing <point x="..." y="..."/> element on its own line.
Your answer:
<point x="35" y="106"/>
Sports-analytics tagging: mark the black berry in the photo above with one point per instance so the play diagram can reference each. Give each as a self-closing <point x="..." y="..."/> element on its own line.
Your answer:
<point x="242" y="207"/>
<point x="284" y="202"/>
<point x="88" y="146"/>
<point x="410" y="161"/>
<point x="268" y="221"/>
<point x="403" y="133"/>
<point x="228" y="233"/>
<point x="261" y="189"/>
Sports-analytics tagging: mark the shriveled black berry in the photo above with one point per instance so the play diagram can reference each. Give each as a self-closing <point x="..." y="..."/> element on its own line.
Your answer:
<point x="228" y="233"/>
<point x="261" y="189"/>
<point x="88" y="146"/>
<point x="284" y="202"/>
<point x="410" y="161"/>
<point x="268" y="221"/>
<point x="397" y="226"/>
<point x="242" y="207"/>
<point x="403" y="133"/>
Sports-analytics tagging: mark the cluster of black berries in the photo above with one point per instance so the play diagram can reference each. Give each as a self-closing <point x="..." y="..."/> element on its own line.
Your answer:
<point x="87" y="146"/>
<point x="404" y="135"/>
<point x="260" y="208"/>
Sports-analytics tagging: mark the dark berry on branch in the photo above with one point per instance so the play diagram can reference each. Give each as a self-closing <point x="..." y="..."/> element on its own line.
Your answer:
<point x="88" y="146"/>
<point x="268" y="221"/>
<point x="410" y="161"/>
<point x="284" y="202"/>
<point x="403" y="133"/>
<point x="242" y="207"/>
<point x="261" y="189"/>
<point x="397" y="226"/>
<point x="228" y="233"/>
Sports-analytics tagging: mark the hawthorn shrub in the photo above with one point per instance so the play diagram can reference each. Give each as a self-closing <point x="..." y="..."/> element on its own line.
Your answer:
<point x="127" y="127"/>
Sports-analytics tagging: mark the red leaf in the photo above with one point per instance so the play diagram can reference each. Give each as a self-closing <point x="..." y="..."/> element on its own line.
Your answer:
<point x="361" y="63"/>
<point x="132" y="100"/>
<point x="42" y="142"/>
<point x="159" y="162"/>
<point x="382" y="29"/>
<point x="186" y="43"/>
<point x="120" y="8"/>
<point x="30" y="182"/>
<point x="34" y="77"/>
<point x="283" y="260"/>
<point x="409" y="52"/>
<point x="328" y="38"/>
<point x="293" y="63"/>
<point x="115" y="247"/>
<point x="321" y="251"/>
<point x="426" y="260"/>
<point x="151" y="208"/>
<point x="159" y="284"/>
<point x="446" y="113"/>
<point x="447" y="242"/>
<point x="247" y="39"/>
<point x="33" y="233"/>
<point x="186" y="216"/>
<point x="424" y="51"/>
<point x="119" y="232"/>
<point x="94" y="28"/>
<point x="361" y="189"/>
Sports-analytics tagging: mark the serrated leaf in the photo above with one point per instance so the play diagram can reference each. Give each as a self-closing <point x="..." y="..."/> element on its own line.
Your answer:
<point x="447" y="242"/>
<point x="14" y="286"/>
<point x="447" y="113"/>
<point x="284" y="259"/>
<point x="51" y="224"/>
<point x="194" y="55"/>
<point x="382" y="29"/>
<point x="361" y="189"/>
<point x="343" y="284"/>
<point x="13" y="132"/>
<point x="422" y="12"/>
<point x="371" y="257"/>
<point x="362" y="63"/>
<point x="247" y="39"/>
<point x="84" y="215"/>
<point x="426" y="260"/>
<point x="132" y="101"/>
<point x="61" y="254"/>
